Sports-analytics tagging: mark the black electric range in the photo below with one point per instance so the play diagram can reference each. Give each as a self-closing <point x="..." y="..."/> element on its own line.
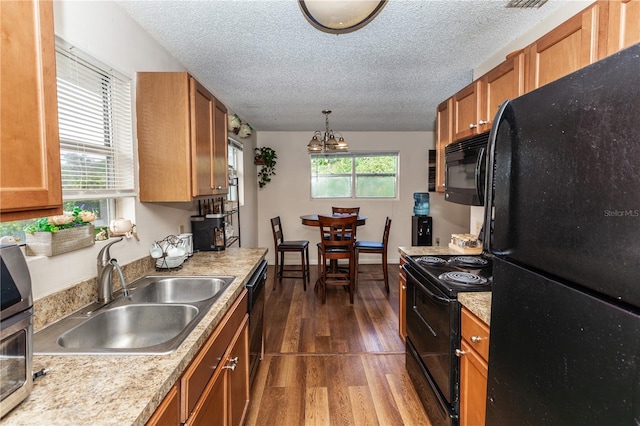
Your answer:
<point x="453" y="274"/>
<point x="433" y="324"/>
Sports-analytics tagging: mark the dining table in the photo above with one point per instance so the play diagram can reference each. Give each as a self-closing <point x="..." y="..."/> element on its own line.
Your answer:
<point x="312" y="219"/>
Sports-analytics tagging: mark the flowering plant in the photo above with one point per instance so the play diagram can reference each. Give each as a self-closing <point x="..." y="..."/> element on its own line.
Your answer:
<point x="77" y="217"/>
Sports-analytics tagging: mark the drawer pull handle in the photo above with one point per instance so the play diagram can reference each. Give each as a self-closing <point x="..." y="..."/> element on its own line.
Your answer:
<point x="234" y="364"/>
<point x="459" y="353"/>
<point x="476" y="339"/>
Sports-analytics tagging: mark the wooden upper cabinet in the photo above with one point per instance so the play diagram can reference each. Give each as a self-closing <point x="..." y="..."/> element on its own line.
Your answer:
<point x="443" y="138"/>
<point x="623" y="27"/>
<point x="506" y="81"/>
<point x="572" y="45"/>
<point x="468" y="116"/>
<point x="220" y="151"/>
<point x="179" y="126"/>
<point x="30" y="182"/>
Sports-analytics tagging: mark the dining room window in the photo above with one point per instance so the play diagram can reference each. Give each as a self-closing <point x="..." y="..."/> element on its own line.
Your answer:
<point x="355" y="175"/>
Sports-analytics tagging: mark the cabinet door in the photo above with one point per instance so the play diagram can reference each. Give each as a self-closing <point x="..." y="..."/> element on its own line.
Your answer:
<point x="164" y="136"/>
<point x="239" y="378"/>
<point x="473" y="387"/>
<point x="213" y="410"/>
<point x="202" y="125"/>
<point x="402" y="300"/>
<point x="569" y="47"/>
<point x="30" y="150"/>
<point x="623" y="28"/>
<point x="220" y="150"/>
<point x="506" y="81"/>
<point x="444" y="130"/>
<point x="467" y="111"/>
<point x="168" y="412"/>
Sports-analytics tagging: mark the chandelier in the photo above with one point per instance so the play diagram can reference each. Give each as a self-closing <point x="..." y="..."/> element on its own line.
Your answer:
<point x="340" y="16"/>
<point x="327" y="142"/>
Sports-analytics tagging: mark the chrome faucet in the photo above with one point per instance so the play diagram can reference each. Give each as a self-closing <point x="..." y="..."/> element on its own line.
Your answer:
<point x="105" y="274"/>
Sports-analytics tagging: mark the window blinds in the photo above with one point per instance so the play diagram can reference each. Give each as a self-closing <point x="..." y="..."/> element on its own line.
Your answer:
<point x="96" y="138"/>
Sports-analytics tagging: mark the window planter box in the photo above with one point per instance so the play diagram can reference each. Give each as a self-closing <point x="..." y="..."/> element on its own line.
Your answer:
<point x="63" y="241"/>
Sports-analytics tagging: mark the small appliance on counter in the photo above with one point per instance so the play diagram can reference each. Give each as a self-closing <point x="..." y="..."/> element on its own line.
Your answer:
<point x="16" y="329"/>
<point x="208" y="232"/>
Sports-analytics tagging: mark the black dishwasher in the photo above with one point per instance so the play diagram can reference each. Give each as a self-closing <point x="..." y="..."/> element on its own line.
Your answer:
<point x="255" y="287"/>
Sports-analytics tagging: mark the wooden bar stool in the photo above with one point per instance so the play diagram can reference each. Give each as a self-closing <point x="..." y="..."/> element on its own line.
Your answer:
<point x="375" y="247"/>
<point x="333" y="248"/>
<point x="282" y="246"/>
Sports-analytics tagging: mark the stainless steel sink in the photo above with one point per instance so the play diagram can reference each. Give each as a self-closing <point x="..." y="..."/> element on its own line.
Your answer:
<point x="155" y="319"/>
<point x="177" y="289"/>
<point x="130" y="327"/>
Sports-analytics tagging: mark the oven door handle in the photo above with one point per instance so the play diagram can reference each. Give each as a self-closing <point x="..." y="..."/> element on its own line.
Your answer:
<point x="439" y="299"/>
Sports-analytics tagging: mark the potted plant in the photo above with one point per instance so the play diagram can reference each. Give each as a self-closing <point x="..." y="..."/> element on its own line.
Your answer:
<point x="50" y="236"/>
<point x="265" y="157"/>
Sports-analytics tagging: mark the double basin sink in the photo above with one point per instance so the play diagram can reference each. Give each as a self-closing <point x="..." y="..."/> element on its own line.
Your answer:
<point x="155" y="318"/>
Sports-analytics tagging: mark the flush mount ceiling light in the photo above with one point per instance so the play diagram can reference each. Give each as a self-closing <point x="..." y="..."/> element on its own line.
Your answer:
<point x="339" y="16"/>
<point x="327" y="142"/>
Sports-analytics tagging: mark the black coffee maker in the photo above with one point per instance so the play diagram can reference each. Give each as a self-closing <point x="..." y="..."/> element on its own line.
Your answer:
<point x="208" y="232"/>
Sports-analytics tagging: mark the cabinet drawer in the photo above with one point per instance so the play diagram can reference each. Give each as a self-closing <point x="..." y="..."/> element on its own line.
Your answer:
<point x="476" y="333"/>
<point x="201" y="370"/>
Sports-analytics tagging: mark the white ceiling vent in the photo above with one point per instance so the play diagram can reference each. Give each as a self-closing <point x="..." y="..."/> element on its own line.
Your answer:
<point x="526" y="3"/>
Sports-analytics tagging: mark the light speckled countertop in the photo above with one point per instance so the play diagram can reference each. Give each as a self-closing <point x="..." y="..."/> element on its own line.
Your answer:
<point x="126" y="390"/>
<point x="477" y="302"/>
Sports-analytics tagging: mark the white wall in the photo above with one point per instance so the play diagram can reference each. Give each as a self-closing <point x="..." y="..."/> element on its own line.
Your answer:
<point x="288" y="195"/>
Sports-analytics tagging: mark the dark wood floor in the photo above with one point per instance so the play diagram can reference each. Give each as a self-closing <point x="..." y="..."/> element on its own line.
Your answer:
<point x="333" y="364"/>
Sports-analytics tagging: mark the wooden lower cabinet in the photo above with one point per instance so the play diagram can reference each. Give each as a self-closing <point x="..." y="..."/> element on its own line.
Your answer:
<point x="168" y="412"/>
<point x="226" y="397"/>
<point x="402" y="301"/>
<point x="473" y="369"/>
<point x="214" y="389"/>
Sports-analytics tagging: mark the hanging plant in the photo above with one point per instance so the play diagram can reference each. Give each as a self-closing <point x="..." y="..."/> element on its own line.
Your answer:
<point x="266" y="158"/>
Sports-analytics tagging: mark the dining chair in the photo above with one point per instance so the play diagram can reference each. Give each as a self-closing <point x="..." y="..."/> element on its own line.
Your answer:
<point x="374" y="247"/>
<point x="336" y="247"/>
<point x="348" y="210"/>
<point x="283" y="246"/>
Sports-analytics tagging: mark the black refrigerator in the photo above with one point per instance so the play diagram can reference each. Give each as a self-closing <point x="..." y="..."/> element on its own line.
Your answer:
<point x="563" y="194"/>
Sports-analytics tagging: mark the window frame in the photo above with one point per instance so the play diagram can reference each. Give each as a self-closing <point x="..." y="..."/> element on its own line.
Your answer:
<point x="354" y="174"/>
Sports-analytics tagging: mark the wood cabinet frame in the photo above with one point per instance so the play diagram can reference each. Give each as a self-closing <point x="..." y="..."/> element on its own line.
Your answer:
<point x="30" y="151"/>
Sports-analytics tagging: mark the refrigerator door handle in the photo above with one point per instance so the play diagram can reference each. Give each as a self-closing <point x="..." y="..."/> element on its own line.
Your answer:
<point x="479" y="162"/>
<point x="488" y="189"/>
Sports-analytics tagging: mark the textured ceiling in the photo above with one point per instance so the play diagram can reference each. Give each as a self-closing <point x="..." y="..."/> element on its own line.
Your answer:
<point x="270" y="66"/>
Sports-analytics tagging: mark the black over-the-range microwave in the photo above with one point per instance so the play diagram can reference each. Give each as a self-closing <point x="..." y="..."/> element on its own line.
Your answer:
<point x="465" y="170"/>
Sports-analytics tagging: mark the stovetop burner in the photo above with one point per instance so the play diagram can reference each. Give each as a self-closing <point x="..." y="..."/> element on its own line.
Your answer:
<point x="454" y="273"/>
<point x="469" y="261"/>
<point x="431" y="260"/>
<point x="459" y="277"/>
